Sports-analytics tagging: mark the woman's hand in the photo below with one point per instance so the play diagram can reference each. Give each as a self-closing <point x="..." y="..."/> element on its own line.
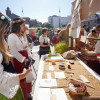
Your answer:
<point x="25" y="70"/>
<point x="25" y="73"/>
<point x="33" y="61"/>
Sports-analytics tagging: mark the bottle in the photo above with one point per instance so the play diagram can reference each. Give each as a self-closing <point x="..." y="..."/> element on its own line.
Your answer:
<point x="69" y="67"/>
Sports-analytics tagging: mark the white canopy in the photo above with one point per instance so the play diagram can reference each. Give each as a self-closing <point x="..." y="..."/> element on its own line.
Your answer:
<point x="82" y="9"/>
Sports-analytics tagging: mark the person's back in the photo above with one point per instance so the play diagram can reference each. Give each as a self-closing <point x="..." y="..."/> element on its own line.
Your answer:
<point x="64" y="36"/>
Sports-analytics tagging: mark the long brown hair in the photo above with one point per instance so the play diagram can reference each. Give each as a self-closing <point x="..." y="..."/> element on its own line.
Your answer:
<point x="4" y="25"/>
<point x="16" y="25"/>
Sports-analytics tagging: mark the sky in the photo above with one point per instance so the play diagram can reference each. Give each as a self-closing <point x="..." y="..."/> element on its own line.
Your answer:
<point x="37" y="9"/>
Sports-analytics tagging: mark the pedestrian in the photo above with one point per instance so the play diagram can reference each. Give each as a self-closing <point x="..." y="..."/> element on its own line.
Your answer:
<point x="85" y="28"/>
<point x="81" y="43"/>
<point x="18" y="48"/>
<point x="40" y="32"/>
<point x="50" y="35"/>
<point x="64" y="34"/>
<point x="56" y="38"/>
<point x="44" y="43"/>
<point x="28" y="38"/>
<point x="9" y="83"/>
<point x="91" y="43"/>
<point x="97" y="46"/>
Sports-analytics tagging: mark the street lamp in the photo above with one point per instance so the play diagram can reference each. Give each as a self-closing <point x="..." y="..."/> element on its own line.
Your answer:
<point x="59" y="18"/>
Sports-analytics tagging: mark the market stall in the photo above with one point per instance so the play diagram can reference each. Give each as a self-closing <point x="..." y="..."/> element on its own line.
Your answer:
<point x="49" y="72"/>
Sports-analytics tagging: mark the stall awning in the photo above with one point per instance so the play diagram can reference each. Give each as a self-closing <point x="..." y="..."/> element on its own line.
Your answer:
<point x="82" y="9"/>
<point x="89" y="8"/>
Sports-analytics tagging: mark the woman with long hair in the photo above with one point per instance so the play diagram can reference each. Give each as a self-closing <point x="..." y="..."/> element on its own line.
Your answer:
<point x="9" y="83"/>
<point x="18" y="48"/>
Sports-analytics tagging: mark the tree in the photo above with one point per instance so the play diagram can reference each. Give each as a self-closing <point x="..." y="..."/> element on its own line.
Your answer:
<point x="48" y="25"/>
<point x="37" y="25"/>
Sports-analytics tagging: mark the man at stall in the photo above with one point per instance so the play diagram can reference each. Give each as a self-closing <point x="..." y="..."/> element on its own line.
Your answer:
<point x="85" y="28"/>
<point x="81" y="41"/>
<point x="90" y="41"/>
<point x="97" y="46"/>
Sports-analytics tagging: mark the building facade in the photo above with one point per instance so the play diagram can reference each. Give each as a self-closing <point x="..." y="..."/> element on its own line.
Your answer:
<point x="9" y="14"/>
<point x="91" y="21"/>
<point x="58" y="21"/>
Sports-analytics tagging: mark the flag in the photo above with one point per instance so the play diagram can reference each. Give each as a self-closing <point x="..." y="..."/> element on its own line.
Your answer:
<point x="22" y="10"/>
<point x="59" y="10"/>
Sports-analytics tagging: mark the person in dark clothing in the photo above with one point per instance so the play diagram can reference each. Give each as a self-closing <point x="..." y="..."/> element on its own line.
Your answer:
<point x="44" y="43"/>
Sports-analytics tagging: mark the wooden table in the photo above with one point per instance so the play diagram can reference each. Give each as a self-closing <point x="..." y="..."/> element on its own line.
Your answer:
<point x="78" y="62"/>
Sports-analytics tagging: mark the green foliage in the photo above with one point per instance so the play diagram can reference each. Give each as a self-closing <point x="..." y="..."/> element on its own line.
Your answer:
<point x="47" y="25"/>
<point x="61" y="47"/>
<point x="37" y="26"/>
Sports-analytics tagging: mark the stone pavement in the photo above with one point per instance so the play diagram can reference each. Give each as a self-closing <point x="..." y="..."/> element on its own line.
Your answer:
<point x="35" y="55"/>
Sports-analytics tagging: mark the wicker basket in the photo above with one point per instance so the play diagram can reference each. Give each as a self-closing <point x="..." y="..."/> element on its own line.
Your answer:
<point x="75" y="93"/>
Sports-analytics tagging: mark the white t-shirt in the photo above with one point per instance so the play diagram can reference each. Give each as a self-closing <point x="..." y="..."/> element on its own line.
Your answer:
<point x="44" y="39"/>
<point x="97" y="46"/>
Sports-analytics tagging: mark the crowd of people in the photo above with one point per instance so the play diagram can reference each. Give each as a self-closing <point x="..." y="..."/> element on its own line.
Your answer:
<point x="16" y="42"/>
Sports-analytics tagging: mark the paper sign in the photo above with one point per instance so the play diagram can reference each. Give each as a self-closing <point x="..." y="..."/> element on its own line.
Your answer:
<point x="59" y="75"/>
<point x="43" y="94"/>
<point x="51" y="68"/>
<point x="83" y="39"/>
<point x="58" y="94"/>
<point x="83" y="78"/>
<point x="48" y="75"/>
<point x="48" y="83"/>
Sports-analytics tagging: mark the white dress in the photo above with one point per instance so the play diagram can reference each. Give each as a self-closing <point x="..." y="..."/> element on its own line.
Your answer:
<point x="9" y="83"/>
<point x="17" y="44"/>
